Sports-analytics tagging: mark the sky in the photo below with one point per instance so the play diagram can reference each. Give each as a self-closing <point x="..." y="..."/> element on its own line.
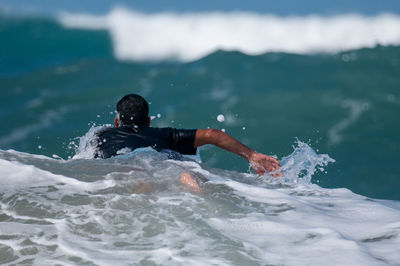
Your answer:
<point x="277" y="7"/>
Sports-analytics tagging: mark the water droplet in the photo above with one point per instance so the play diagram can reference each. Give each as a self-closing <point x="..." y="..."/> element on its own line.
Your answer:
<point x="221" y="118"/>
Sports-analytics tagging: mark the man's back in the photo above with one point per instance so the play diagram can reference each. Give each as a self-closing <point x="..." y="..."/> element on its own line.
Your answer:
<point x="114" y="139"/>
<point x="132" y="130"/>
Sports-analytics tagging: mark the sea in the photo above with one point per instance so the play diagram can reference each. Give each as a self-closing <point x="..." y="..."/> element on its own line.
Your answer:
<point x="321" y="93"/>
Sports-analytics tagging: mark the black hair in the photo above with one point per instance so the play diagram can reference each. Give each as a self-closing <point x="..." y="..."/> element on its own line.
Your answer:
<point x="133" y="110"/>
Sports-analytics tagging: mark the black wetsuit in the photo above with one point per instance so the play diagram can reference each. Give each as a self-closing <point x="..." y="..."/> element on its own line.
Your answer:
<point x="113" y="139"/>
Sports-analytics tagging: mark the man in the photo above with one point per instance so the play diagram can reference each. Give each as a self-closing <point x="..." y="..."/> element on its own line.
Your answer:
<point x="132" y="130"/>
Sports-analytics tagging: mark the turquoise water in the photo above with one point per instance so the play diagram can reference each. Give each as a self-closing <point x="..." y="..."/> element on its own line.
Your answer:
<point x="328" y="112"/>
<point x="56" y="82"/>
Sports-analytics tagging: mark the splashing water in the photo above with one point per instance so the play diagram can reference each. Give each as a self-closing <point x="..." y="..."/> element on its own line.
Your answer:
<point x="88" y="143"/>
<point x="300" y="166"/>
<point x="82" y="211"/>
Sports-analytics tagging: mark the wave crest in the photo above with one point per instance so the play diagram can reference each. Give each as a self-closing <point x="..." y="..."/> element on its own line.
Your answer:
<point x="190" y="36"/>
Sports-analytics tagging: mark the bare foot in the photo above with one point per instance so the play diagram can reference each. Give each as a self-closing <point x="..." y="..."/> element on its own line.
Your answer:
<point x="190" y="182"/>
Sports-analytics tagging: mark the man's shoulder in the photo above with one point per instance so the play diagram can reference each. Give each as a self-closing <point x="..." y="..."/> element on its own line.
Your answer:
<point x="140" y="130"/>
<point x="170" y="130"/>
<point x="107" y="129"/>
<point x="134" y="130"/>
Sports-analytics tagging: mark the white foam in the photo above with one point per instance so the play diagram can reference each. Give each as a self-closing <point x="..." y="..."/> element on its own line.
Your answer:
<point x="15" y="175"/>
<point x="190" y="36"/>
<point x="238" y="218"/>
<point x="315" y="220"/>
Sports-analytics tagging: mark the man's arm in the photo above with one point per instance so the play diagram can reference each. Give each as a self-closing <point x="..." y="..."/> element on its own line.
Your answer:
<point x="261" y="163"/>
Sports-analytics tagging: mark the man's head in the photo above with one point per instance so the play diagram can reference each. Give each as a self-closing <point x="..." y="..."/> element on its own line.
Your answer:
<point x="132" y="109"/>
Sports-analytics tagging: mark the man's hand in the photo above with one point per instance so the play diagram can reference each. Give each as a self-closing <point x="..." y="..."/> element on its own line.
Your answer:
<point x="262" y="163"/>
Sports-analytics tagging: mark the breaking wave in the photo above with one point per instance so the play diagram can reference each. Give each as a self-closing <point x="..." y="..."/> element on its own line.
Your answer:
<point x="190" y="36"/>
<point x="82" y="211"/>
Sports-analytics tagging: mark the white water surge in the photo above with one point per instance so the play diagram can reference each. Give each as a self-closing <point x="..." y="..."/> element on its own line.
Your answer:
<point x="83" y="211"/>
<point x="190" y="36"/>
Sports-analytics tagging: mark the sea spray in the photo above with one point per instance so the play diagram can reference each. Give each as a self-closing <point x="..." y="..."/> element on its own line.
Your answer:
<point x="302" y="163"/>
<point x="88" y="143"/>
<point x="298" y="167"/>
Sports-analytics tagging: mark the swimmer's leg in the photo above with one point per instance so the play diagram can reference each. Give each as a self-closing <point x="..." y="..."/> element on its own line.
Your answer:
<point x="143" y="188"/>
<point x="192" y="181"/>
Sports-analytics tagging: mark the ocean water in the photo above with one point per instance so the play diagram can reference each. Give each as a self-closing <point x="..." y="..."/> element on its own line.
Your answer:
<point x="319" y="92"/>
<point x="83" y="211"/>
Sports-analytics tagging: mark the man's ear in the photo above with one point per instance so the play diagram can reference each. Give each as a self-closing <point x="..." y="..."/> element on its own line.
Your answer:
<point x="148" y="121"/>
<point x="116" y="122"/>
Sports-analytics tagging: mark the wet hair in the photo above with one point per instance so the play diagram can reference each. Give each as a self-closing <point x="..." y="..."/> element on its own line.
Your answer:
<point x="133" y="109"/>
